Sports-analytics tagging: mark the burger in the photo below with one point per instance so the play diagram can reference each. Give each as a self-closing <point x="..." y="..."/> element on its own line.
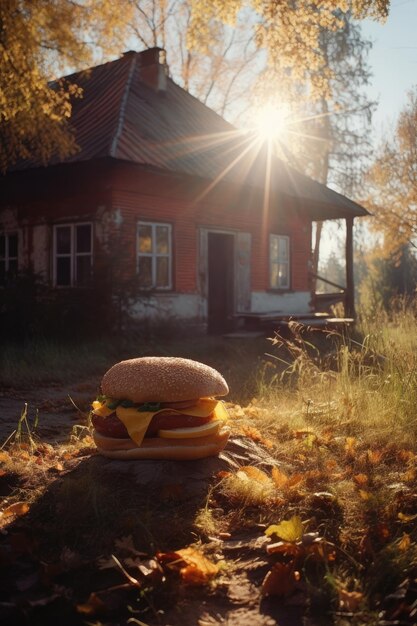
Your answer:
<point x="160" y="408"/>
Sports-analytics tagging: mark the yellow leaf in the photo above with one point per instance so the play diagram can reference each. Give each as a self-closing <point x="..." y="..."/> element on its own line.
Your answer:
<point x="350" y="445"/>
<point x="199" y="568"/>
<point x="18" y="508"/>
<point x="407" y="518"/>
<point x="288" y="530"/>
<point x="4" y="456"/>
<point x="365" y="495"/>
<point x="280" y="479"/>
<point x="404" y="543"/>
<point x="254" y="473"/>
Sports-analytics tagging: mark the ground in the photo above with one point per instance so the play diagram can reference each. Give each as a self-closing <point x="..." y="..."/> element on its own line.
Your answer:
<point x="55" y="404"/>
<point x="306" y="519"/>
<point x="51" y="535"/>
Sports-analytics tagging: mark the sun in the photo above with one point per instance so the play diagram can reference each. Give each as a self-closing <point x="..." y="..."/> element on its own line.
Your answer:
<point x="271" y="122"/>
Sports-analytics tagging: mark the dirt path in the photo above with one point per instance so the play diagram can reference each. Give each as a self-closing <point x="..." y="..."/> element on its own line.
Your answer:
<point x="58" y="409"/>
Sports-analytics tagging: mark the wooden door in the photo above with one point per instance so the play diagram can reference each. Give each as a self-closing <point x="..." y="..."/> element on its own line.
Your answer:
<point x="220" y="253"/>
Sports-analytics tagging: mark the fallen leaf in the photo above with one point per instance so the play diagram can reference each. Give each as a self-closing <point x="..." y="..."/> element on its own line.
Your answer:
<point x="409" y="476"/>
<point x="223" y="474"/>
<point x="350" y="600"/>
<point x="256" y="436"/>
<point x="350" y="445"/>
<point x="193" y="566"/>
<point x="375" y="456"/>
<point x="254" y="473"/>
<point x="407" y="518"/>
<point x="406" y="455"/>
<point x="93" y="606"/>
<point x="196" y="559"/>
<point x="404" y="543"/>
<point x="280" y="478"/>
<point x="280" y="580"/>
<point x="103" y="602"/>
<point x="331" y="465"/>
<point x="295" y="479"/>
<point x="283" y="547"/>
<point x="361" y="479"/>
<point x="18" y="509"/>
<point x="289" y="530"/>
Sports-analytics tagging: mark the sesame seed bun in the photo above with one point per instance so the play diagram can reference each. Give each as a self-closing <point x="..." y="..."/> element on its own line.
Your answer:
<point x="162" y="379"/>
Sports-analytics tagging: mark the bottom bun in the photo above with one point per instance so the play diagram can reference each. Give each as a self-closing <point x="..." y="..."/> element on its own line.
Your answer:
<point x="162" y="449"/>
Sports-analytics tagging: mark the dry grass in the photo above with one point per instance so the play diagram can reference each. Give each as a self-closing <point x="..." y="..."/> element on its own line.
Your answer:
<point x="340" y="430"/>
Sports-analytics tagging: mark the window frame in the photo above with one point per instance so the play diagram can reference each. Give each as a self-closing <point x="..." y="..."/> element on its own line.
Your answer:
<point x="154" y="254"/>
<point x="72" y="254"/>
<point x="280" y="260"/>
<point x="7" y="258"/>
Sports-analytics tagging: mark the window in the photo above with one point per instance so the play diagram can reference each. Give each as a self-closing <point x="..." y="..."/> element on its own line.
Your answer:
<point x="8" y="256"/>
<point x="154" y="255"/>
<point x="73" y="255"/>
<point x="279" y="262"/>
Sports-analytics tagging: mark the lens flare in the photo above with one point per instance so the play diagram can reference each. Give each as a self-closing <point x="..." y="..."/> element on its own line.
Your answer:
<point x="271" y="122"/>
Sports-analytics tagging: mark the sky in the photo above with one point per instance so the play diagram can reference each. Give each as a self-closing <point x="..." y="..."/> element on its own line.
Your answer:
<point x="393" y="60"/>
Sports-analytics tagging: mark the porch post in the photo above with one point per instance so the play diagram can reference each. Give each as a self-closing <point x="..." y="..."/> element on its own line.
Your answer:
<point x="349" y="296"/>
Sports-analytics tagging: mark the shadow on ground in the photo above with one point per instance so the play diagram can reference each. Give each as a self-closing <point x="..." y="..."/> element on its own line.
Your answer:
<point x="51" y="559"/>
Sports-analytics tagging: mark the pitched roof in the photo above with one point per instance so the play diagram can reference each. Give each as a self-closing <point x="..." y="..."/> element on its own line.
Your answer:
<point x="131" y="110"/>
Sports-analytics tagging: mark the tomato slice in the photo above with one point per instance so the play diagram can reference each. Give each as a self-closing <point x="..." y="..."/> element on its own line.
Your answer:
<point x="110" y="426"/>
<point x="113" y="427"/>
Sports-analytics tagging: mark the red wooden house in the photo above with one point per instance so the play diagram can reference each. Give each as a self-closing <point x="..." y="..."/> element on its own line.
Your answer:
<point x="209" y="224"/>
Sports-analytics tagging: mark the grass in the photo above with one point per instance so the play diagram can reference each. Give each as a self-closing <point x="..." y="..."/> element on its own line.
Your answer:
<point x="50" y="362"/>
<point x="336" y="433"/>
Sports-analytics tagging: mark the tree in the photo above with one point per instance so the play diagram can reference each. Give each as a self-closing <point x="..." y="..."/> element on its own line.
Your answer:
<point x="385" y="278"/>
<point x="329" y="135"/>
<point x="219" y="74"/>
<point x="333" y="270"/>
<point x="40" y="39"/>
<point x="289" y="30"/>
<point x="393" y="182"/>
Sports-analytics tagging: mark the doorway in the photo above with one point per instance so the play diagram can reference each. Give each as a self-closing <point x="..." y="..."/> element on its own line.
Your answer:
<point x="221" y="293"/>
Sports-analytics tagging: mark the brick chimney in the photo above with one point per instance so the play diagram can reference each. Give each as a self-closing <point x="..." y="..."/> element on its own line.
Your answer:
<point x="153" y="68"/>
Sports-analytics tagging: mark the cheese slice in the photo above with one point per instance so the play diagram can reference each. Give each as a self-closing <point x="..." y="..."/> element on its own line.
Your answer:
<point x="100" y="408"/>
<point x="191" y="432"/>
<point x="137" y="422"/>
